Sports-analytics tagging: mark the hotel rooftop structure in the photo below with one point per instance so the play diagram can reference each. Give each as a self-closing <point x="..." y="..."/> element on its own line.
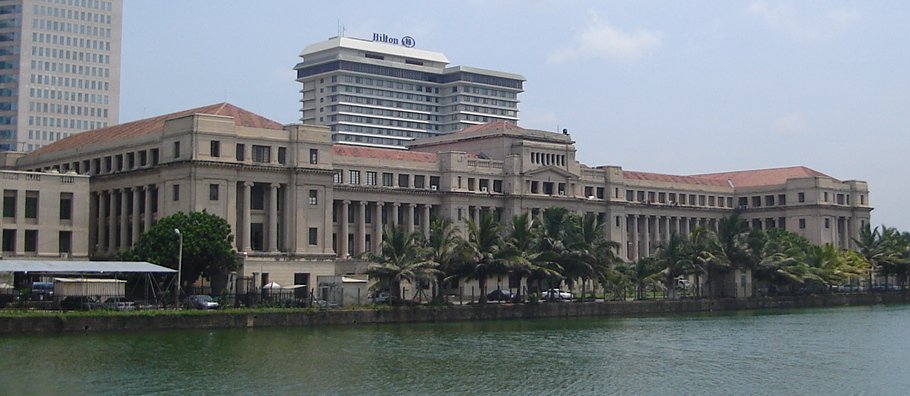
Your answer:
<point x="385" y="93"/>
<point x="302" y="206"/>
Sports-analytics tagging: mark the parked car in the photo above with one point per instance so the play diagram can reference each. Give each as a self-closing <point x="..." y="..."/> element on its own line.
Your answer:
<point x="42" y="290"/>
<point x="202" y="301"/>
<point x="118" y="304"/>
<point x="557" y="295"/>
<point x="500" y="295"/>
<point x="379" y="298"/>
<point x="848" y="288"/>
<point x="324" y="304"/>
<point x="79" y="303"/>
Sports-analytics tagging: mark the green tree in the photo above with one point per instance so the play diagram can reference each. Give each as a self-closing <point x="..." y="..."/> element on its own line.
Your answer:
<point x="441" y="248"/>
<point x="485" y="254"/>
<point x="522" y="244"/>
<point x="207" y="250"/>
<point x="400" y="259"/>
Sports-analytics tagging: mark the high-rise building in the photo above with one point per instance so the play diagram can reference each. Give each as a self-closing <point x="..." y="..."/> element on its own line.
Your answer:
<point x="59" y="69"/>
<point x="386" y="93"/>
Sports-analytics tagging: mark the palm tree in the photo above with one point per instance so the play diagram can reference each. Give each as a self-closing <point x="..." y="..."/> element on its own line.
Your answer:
<point x="441" y="248"/>
<point x="522" y="243"/>
<point x="675" y="257"/>
<point x="592" y="254"/>
<point x="485" y="252"/>
<point x="400" y="259"/>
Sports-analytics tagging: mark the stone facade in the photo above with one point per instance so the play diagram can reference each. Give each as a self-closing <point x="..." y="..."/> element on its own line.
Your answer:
<point x="302" y="207"/>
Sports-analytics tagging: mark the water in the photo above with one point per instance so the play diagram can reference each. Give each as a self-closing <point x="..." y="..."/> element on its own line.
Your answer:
<point x="855" y="350"/>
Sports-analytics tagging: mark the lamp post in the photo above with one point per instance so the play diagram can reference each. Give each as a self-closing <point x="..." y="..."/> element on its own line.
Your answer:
<point x="179" y="266"/>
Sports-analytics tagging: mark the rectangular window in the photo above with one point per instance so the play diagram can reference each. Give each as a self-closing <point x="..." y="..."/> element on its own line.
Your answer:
<point x="31" y="241"/>
<point x="419" y="181"/>
<point x="827" y="222"/>
<point x="601" y="193"/>
<point x="826" y="197"/>
<point x="801" y="197"/>
<point x="386" y="179"/>
<point x="262" y="154"/>
<point x="176" y="192"/>
<point x="314" y="156"/>
<point x="314" y="197"/>
<point x="9" y="240"/>
<point x="215" y="148"/>
<point x="282" y="155"/>
<point x="155" y="157"/>
<point x="630" y="195"/>
<point x="66" y="206"/>
<point x="213" y="192"/>
<point x="257" y="196"/>
<point x="403" y="180"/>
<point x="756" y="202"/>
<point x="143" y="158"/>
<point x="241" y="152"/>
<point x="782" y="199"/>
<point x="31" y="205"/>
<point x="176" y="149"/>
<point x="9" y="203"/>
<point x="497" y="185"/>
<point x="769" y="200"/>
<point x="371" y="178"/>
<point x="802" y="224"/>
<point x="337" y="178"/>
<point x="313" y="233"/>
<point x="65" y="242"/>
<point x="354" y="177"/>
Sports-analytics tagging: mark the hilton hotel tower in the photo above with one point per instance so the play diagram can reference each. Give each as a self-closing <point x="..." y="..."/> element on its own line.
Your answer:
<point x="385" y="93"/>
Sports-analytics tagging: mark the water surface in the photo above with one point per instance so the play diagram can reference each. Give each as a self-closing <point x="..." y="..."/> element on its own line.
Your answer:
<point x="855" y="350"/>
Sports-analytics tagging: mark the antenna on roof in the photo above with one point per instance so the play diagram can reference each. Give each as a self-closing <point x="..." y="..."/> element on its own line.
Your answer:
<point x="730" y="182"/>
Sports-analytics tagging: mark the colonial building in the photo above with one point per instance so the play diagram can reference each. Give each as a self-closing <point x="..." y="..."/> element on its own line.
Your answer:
<point x="302" y="207"/>
<point x="45" y="215"/>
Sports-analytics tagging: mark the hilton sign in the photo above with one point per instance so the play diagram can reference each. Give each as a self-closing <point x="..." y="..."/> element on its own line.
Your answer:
<point x="406" y="41"/>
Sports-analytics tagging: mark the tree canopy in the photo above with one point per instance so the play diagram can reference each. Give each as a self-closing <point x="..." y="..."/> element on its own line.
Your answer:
<point x="207" y="242"/>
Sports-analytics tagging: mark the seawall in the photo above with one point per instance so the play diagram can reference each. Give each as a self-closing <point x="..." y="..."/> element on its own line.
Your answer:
<point x="424" y="314"/>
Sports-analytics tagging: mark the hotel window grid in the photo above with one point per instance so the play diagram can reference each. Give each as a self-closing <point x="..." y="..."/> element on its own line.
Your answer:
<point x="65" y="242"/>
<point x="9" y="203"/>
<point x="9" y="240"/>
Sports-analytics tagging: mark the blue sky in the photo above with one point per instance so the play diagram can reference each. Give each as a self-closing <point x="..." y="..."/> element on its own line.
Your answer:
<point x="672" y="87"/>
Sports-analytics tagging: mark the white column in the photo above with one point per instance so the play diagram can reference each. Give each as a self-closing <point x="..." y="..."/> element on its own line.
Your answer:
<point x="147" y="191"/>
<point x="635" y="238"/>
<point x="361" y="228"/>
<point x="124" y="219"/>
<point x="394" y="219"/>
<point x="343" y="230"/>
<point x="111" y="223"/>
<point x="245" y="225"/>
<point x="273" y="217"/>
<point x="409" y="217"/>
<point x="377" y="222"/>
<point x="425" y="220"/>
<point x="137" y="196"/>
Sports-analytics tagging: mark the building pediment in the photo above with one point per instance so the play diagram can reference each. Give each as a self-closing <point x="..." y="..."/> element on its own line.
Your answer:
<point x="551" y="171"/>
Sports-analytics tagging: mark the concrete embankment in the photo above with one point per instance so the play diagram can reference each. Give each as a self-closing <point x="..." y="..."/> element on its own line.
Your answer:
<point x="114" y="322"/>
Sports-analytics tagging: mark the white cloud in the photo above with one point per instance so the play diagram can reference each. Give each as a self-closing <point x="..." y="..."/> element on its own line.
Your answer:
<point x="787" y="20"/>
<point x="793" y="123"/>
<point x="603" y="40"/>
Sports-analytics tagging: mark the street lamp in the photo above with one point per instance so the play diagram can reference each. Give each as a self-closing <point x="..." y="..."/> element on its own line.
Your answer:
<point x="179" y="266"/>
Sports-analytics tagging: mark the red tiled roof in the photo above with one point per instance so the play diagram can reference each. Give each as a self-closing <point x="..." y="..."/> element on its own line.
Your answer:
<point x="382" y="153"/>
<point x="491" y="126"/>
<point x="673" y="178"/>
<point x="763" y="177"/>
<point x="156" y="124"/>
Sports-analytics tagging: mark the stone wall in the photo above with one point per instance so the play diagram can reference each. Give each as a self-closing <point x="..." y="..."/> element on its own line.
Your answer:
<point x="69" y="324"/>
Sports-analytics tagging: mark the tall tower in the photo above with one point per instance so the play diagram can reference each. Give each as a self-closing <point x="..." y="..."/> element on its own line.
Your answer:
<point x="383" y="92"/>
<point x="59" y="69"/>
